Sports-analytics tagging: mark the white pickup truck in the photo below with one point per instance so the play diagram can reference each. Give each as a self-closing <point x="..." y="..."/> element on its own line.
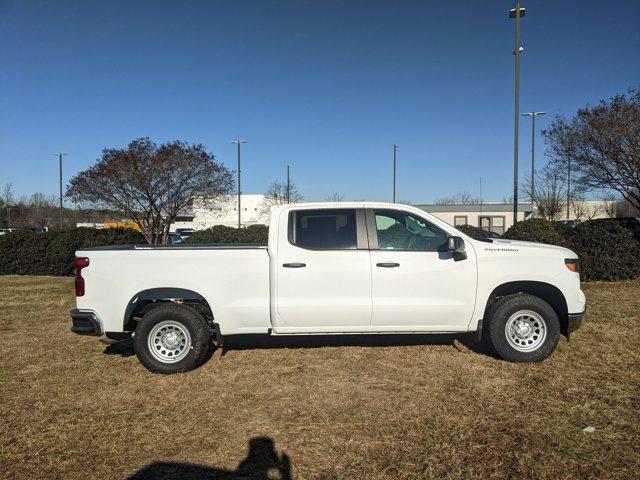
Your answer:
<point x="331" y="268"/>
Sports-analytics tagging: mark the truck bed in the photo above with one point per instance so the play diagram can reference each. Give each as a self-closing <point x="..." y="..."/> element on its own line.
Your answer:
<point x="217" y="246"/>
<point x="233" y="279"/>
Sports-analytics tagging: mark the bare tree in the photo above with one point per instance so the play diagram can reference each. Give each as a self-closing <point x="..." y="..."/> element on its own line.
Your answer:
<point x="151" y="184"/>
<point x="7" y="199"/>
<point x="584" y="210"/>
<point x="39" y="199"/>
<point x="609" y="204"/>
<point x="335" y="197"/>
<point x="277" y="193"/>
<point x="601" y="146"/>
<point x="625" y="209"/>
<point x="460" y="198"/>
<point x="550" y="192"/>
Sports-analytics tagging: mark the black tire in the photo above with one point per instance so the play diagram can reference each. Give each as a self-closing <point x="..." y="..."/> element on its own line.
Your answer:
<point x="181" y="316"/>
<point x="495" y="336"/>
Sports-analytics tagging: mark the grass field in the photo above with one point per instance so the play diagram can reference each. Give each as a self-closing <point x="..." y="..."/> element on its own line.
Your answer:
<point x="346" y="408"/>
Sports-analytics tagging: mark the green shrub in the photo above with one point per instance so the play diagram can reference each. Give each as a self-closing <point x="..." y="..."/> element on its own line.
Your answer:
<point x="538" y="230"/>
<point x="220" y="234"/>
<point x="607" y="251"/>
<point x="629" y="223"/>
<point x="52" y="253"/>
<point x="606" y="247"/>
<point x="474" y="232"/>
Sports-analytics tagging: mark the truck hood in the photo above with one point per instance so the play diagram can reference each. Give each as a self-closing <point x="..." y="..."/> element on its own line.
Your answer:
<point x="529" y="246"/>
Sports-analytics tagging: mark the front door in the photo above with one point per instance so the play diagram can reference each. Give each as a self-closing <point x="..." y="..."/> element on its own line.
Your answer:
<point x="323" y="272"/>
<point x="416" y="283"/>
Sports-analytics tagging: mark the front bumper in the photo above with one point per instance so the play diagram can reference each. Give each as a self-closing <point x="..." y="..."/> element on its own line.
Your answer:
<point x="86" y="322"/>
<point x="574" y="320"/>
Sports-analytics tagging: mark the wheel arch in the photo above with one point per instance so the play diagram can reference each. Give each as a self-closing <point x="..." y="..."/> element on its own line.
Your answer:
<point x="546" y="291"/>
<point x="145" y="300"/>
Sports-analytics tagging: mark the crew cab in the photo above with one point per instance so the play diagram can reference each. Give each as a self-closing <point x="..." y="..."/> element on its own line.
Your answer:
<point x="330" y="268"/>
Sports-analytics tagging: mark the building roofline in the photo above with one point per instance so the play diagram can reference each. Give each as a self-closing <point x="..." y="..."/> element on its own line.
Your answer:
<point x="474" y="207"/>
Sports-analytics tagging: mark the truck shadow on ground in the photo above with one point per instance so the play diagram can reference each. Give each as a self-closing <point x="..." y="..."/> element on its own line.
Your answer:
<point x="262" y="463"/>
<point x="460" y="342"/>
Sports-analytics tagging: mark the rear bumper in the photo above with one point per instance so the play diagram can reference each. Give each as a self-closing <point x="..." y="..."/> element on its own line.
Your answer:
<point x="86" y="322"/>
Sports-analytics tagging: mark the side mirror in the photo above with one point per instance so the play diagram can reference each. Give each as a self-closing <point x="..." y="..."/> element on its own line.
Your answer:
<point x="455" y="245"/>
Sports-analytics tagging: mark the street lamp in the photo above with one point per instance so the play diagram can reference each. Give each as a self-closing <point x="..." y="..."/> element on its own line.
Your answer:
<point x="568" y="185"/>
<point x="533" y="149"/>
<point x="238" y="143"/>
<point x="60" y="155"/>
<point x="395" y="153"/>
<point x="288" y="191"/>
<point x="516" y="13"/>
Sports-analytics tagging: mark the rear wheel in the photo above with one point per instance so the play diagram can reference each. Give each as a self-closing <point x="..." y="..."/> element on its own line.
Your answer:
<point x="172" y="339"/>
<point x="522" y="328"/>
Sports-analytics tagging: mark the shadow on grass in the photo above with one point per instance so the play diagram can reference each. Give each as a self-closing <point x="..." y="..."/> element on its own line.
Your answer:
<point x="262" y="463"/>
<point x="256" y="342"/>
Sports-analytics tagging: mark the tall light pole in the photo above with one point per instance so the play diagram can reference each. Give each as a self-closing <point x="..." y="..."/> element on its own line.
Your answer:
<point x="288" y="194"/>
<point x="480" y="196"/>
<point x="568" y="185"/>
<point x="60" y="155"/>
<point x="238" y="143"/>
<point x="533" y="149"/>
<point x="516" y="13"/>
<point x="395" y="154"/>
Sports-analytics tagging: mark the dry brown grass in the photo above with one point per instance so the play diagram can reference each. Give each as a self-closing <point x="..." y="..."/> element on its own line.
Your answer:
<point x="70" y="411"/>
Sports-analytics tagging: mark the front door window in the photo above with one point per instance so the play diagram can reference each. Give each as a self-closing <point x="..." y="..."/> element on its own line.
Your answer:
<point x="399" y="230"/>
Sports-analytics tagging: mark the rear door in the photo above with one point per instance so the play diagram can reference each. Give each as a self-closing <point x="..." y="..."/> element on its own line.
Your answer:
<point x="416" y="283"/>
<point x="323" y="271"/>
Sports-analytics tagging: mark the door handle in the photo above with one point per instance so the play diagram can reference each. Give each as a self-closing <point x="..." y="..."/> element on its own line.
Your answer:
<point x="294" y="265"/>
<point x="387" y="265"/>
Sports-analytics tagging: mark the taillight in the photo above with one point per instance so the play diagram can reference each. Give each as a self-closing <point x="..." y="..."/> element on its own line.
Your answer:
<point x="80" y="263"/>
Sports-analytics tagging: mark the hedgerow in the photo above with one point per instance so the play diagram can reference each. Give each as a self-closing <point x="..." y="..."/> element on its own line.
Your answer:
<point x="220" y="234"/>
<point x="52" y="253"/>
<point x="606" y="248"/>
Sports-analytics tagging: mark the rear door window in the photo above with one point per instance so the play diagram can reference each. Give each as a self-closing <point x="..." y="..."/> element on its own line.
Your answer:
<point x="325" y="229"/>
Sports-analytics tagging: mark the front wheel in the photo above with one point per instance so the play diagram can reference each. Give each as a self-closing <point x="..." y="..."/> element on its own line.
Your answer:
<point x="522" y="328"/>
<point x="172" y="339"/>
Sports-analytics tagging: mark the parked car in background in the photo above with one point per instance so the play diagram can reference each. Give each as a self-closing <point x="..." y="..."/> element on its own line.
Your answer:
<point x="185" y="232"/>
<point x="36" y="229"/>
<point x="174" y="239"/>
<point x="567" y="223"/>
<point x="331" y="268"/>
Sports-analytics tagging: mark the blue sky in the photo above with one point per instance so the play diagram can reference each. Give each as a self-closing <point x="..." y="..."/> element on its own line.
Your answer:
<point x="327" y="86"/>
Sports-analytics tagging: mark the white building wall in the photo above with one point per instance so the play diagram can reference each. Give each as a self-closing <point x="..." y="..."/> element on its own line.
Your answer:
<point x="224" y="211"/>
<point x="500" y="215"/>
<point x="497" y="218"/>
<point x="256" y="211"/>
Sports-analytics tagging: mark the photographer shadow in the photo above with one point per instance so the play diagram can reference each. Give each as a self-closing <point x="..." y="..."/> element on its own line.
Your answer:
<point x="262" y="463"/>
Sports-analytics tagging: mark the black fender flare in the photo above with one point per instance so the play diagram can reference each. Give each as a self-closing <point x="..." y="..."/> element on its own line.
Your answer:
<point x="161" y="293"/>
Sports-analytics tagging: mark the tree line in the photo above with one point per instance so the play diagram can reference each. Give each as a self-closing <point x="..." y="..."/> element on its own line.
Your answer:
<point x="42" y="210"/>
<point x="152" y="185"/>
<point x="595" y="153"/>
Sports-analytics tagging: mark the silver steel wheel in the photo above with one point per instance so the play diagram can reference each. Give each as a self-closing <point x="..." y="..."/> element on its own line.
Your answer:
<point x="169" y="341"/>
<point x="526" y="330"/>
